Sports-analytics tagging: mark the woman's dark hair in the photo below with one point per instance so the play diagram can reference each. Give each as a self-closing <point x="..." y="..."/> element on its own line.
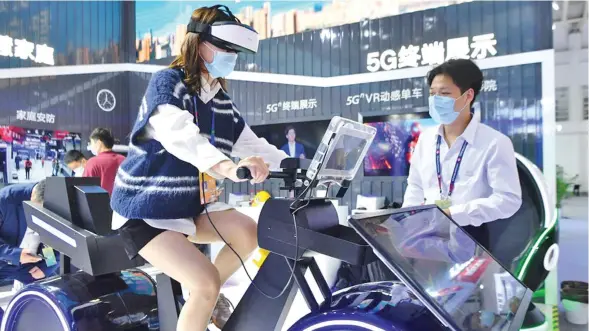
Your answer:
<point x="104" y="135"/>
<point x="73" y="156"/>
<point x="288" y="128"/>
<point x="464" y="73"/>
<point x="189" y="59"/>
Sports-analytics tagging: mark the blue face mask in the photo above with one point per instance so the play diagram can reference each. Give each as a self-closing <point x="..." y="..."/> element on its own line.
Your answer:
<point x="222" y="65"/>
<point x="487" y="319"/>
<point x="441" y="109"/>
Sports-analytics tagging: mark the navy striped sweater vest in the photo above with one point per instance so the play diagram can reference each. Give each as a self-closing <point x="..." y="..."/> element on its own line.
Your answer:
<point x="154" y="184"/>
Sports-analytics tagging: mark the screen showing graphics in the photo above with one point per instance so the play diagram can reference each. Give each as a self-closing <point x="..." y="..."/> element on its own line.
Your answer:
<point x="447" y="268"/>
<point x="297" y="139"/>
<point x="392" y="148"/>
<point x="30" y="155"/>
<point x="161" y="25"/>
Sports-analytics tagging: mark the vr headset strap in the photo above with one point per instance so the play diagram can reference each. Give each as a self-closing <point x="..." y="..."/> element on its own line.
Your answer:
<point x="198" y="27"/>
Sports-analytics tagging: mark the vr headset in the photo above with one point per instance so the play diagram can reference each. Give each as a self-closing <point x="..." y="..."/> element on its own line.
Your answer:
<point x="228" y="35"/>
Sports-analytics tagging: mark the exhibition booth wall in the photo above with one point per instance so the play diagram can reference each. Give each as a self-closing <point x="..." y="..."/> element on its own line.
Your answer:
<point x="63" y="33"/>
<point x="52" y="58"/>
<point x="371" y="71"/>
<point x="74" y="103"/>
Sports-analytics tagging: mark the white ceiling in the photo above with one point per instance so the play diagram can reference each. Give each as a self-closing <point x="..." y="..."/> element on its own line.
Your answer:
<point x="569" y="17"/>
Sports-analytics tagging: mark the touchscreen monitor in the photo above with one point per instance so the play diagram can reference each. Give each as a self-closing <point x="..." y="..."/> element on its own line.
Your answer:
<point x="459" y="281"/>
<point x="341" y="151"/>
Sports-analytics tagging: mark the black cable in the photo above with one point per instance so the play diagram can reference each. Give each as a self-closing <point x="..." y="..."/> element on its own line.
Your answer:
<point x="239" y="257"/>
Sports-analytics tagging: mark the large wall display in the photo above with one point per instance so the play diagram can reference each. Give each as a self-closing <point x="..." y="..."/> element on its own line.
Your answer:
<point x="477" y="30"/>
<point x="161" y="25"/>
<point x="29" y="155"/>
<point x="47" y="33"/>
<point x="73" y="103"/>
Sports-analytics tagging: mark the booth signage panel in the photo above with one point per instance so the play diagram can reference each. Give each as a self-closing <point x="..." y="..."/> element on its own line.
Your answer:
<point x="509" y="101"/>
<point x="31" y="116"/>
<point x="26" y="50"/>
<point x="434" y="53"/>
<point x="476" y="30"/>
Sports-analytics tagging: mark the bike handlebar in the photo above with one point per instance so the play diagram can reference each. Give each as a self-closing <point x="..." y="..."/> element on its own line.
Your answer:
<point x="245" y="174"/>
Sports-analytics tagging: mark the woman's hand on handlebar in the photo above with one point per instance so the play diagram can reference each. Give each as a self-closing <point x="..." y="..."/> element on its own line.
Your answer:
<point x="258" y="168"/>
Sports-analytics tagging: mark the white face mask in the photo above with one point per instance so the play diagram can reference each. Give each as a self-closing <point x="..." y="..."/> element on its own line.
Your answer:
<point x="79" y="171"/>
<point x="93" y="149"/>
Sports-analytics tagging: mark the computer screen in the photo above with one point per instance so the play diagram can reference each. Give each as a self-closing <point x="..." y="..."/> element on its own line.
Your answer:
<point x="299" y="139"/>
<point x="397" y="135"/>
<point x="461" y="283"/>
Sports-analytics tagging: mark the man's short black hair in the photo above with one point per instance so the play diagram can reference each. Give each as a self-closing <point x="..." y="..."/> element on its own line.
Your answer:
<point x="288" y="128"/>
<point x="73" y="156"/>
<point x="104" y="135"/>
<point x="39" y="192"/>
<point x="464" y="73"/>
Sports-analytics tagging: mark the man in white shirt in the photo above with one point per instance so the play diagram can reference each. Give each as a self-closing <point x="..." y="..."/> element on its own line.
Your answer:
<point x="465" y="167"/>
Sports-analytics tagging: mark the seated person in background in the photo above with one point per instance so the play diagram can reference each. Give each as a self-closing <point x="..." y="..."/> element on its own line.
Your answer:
<point x="76" y="161"/>
<point x="293" y="148"/>
<point x="16" y="263"/>
<point x="106" y="163"/>
<point x="465" y="167"/>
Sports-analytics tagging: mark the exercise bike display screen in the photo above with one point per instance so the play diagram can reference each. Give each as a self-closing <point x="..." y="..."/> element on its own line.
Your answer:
<point x="459" y="281"/>
<point x="347" y="152"/>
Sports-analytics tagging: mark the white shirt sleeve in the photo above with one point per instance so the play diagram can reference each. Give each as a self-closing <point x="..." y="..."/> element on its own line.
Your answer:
<point x="248" y="144"/>
<point x="503" y="178"/>
<point x="175" y="129"/>
<point x="414" y="195"/>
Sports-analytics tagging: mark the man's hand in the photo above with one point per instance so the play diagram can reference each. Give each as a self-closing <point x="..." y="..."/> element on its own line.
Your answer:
<point x="27" y="256"/>
<point x="37" y="273"/>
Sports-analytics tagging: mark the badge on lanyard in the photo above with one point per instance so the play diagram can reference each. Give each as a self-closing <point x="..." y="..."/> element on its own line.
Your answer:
<point x="445" y="201"/>
<point x="209" y="192"/>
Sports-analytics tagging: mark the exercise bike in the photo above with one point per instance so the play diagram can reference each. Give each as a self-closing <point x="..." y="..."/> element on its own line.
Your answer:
<point x="109" y="293"/>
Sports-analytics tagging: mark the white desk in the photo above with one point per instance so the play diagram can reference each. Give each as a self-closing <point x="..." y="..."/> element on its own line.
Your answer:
<point x="238" y="283"/>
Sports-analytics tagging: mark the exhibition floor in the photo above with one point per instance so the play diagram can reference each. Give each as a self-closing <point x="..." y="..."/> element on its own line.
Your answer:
<point x="573" y="261"/>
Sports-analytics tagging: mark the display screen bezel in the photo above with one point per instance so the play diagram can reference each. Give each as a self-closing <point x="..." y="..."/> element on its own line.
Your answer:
<point x="417" y="288"/>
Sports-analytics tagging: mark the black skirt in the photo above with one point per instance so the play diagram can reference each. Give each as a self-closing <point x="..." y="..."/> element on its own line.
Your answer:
<point x="136" y="234"/>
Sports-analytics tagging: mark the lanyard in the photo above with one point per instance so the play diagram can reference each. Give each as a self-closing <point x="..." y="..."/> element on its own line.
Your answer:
<point x="456" y="167"/>
<point x="212" y="140"/>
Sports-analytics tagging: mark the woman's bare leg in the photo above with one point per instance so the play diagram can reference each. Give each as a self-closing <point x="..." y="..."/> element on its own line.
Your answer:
<point x="237" y="229"/>
<point x="171" y="253"/>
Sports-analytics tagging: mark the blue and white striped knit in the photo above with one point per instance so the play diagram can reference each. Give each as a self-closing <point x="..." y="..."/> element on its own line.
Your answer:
<point x="154" y="184"/>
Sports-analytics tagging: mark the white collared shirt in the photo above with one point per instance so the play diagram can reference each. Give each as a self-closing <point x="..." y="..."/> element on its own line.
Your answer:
<point x="292" y="148"/>
<point x="487" y="187"/>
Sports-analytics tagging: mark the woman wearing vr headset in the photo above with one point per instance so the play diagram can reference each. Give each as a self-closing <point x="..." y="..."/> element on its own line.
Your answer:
<point x="187" y="125"/>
